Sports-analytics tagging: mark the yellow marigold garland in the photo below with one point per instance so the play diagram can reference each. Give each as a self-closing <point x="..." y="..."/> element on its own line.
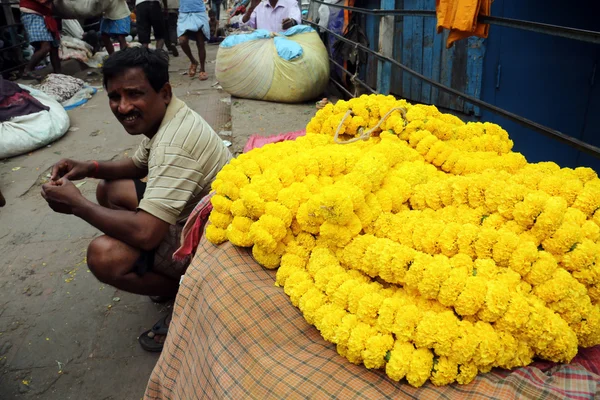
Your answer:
<point x="430" y="250"/>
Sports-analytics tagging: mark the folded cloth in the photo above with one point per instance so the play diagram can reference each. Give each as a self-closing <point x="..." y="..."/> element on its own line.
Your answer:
<point x="460" y="17"/>
<point x="16" y="101"/>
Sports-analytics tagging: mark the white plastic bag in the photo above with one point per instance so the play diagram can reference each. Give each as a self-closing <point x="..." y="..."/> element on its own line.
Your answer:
<point x="28" y="132"/>
<point x="80" y="9"/>
<point x="72" y="27"/>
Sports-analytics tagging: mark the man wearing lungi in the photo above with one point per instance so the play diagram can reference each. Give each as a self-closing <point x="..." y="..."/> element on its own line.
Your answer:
<point x="142" y="222"/>
<point x="43" y="34"/>
<point x="116" y="22"/>
<point x="193" y="24"/>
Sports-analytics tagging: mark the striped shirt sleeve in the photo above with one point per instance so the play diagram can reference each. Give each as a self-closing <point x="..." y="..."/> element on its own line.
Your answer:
<point x="140" y="157"/>
<point x="172" y="183"/>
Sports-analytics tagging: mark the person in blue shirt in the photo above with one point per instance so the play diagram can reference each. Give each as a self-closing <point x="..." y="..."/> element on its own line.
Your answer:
<point x="193" y="24"/>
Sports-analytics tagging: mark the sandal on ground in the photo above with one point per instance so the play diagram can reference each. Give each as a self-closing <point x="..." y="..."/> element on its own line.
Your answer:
<point x="203" y="76"/>
<point x="161" y="299"/>
<point x="31" y="76"/>
<point x="192" y="70"/>
<point x="147" y="340"/>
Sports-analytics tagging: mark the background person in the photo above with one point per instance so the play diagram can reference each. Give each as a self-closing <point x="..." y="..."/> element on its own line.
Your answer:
<point x="115" y="23"/>
<point x="142" y="222"/>
<point x="43" y="34"/>
<point x="272" y="15"/>
<point x="170" y="13"/>
<point x="149" y="17"/>
<point x="193" y="24"/>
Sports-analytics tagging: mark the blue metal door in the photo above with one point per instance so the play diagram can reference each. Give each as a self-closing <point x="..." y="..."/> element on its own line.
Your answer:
<point x="544" y="78"/>
<point x="418" y="46"/>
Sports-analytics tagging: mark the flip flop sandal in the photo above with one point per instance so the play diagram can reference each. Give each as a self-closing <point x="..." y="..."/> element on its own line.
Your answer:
<point x="146" y="339"/>
<point x="203" y="76"/>
<point x="161" y="299"/>
<point x="31" y="76"/>
<point x="148" y="343"/>
<point x="192" y="70"/>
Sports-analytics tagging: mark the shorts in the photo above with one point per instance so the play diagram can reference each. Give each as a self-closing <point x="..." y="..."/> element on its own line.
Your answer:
<point x="150" y="17"/>
<point x="115" y="27"/>
<point x="36" y="29"/>
<point x="160" y="260"/>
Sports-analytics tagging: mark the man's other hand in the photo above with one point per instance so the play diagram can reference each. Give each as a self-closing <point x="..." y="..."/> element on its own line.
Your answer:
<point x="71" y="170"/>
<point x="288" y="23"/>
<point x="62" y="196"/>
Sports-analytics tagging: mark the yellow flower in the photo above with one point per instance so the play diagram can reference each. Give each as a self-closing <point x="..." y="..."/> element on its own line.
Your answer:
<point x="420" y="368"/>
<point x="215" y="235"/>
<point x="445" y="371"/>
<point x="400" y="359"/>
<point x="472" y="297"/>
<point x="467" y="372"/>
<point x="376" y="348"/>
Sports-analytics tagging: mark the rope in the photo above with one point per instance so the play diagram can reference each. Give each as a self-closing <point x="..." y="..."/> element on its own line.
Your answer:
<point x="365" y="135"/>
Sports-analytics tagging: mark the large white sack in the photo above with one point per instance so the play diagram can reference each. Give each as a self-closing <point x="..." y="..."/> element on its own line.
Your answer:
<point x="28" y="132"/>
<point x="286" y="67"/>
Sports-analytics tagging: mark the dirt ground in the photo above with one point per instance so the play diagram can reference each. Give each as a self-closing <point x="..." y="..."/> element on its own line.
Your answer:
<point x="63" y="334"/>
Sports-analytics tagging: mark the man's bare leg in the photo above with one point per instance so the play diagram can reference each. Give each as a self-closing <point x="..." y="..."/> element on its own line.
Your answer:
<point x="112" y="261"/>
<point x="185" y="46"/>
<point x="38" y="56"/>
<point x="122" y="42"/>
<point x="201" y="49"/>
<point x="55" y="60"/>
<point x="108" y="44"/>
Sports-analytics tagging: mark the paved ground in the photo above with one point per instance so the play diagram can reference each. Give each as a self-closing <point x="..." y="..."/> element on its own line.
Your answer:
<point x="64" y="335"/>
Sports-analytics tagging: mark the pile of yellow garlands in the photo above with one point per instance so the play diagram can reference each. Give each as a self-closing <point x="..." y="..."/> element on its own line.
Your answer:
<point x="431" y="249"/>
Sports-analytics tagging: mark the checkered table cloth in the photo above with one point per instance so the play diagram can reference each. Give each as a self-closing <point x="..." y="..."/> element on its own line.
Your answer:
<point x="235" y="335"/>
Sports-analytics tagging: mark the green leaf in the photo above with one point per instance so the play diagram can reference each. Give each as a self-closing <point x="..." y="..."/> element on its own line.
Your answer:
<point x="388" y="355"/>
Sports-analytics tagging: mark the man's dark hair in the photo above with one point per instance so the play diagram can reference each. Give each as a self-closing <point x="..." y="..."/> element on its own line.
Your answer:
<point x="154" y="63"/>
<point x="211" y="13"/>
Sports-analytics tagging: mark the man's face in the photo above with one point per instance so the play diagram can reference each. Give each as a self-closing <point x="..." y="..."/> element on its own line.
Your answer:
<point x="137" y="106"/>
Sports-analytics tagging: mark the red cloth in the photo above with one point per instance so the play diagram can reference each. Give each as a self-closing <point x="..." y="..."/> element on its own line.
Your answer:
<point x="257" y="141"/>
<point x="194" y="226"/>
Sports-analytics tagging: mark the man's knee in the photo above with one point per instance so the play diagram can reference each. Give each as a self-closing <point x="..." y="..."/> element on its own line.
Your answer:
<point x="100" y="260"/>
<point x="183" y="40"/>
<point x="45" y="47"/>
<point x="102" y="193"/>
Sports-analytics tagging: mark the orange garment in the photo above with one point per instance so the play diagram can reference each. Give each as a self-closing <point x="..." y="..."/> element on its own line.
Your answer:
<point x="460" y="17"/>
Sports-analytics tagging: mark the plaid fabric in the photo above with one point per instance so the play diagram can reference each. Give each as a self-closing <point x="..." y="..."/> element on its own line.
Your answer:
<point x="115" y="26"/>
<point x="36" y="29"/>
<point x="235" y="335"/>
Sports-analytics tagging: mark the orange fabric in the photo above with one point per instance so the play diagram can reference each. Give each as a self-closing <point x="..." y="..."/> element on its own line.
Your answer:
<point x="460" y="17"/>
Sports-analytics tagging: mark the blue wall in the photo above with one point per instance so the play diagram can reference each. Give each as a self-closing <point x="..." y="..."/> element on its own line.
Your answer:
<point x="547" y="79"/>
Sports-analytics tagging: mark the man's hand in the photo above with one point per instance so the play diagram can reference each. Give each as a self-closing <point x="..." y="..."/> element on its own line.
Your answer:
<point x="62" y="196"/>
<point x="71" y="170"/>
<point x="288" y="23"/>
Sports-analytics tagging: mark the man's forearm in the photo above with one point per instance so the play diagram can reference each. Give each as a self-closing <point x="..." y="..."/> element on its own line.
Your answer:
<point x="122" y="169"/>
<point x="119" y="224"/>
<point x="248" y="14"/>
